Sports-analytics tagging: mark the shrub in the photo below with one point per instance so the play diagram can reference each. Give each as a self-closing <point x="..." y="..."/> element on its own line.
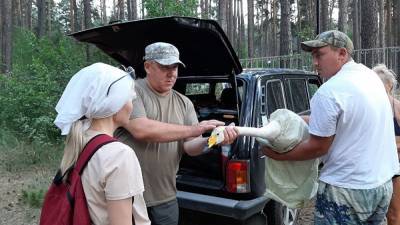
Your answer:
<point x="41" y="69"/>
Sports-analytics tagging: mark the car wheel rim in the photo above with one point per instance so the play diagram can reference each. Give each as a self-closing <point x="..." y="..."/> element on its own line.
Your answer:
<point x="289" y="215"/>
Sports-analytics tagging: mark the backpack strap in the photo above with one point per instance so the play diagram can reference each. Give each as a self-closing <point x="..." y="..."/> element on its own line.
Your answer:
<point x="90" y="148"/>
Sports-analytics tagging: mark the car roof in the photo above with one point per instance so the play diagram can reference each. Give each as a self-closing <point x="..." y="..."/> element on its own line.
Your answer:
<point x="275" y="71"/>
<point x="203" y="45"/>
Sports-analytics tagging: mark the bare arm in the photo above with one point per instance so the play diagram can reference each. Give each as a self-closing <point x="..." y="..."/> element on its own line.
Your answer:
<point x="154" y="131"/>
<point x="396" y="109"/>
<point x="311" y="148"/>
<point x="120" y="211"/>
<point x="398" y="144"/>
<point x="197" y="145"/>
<point x="306" y="118"/>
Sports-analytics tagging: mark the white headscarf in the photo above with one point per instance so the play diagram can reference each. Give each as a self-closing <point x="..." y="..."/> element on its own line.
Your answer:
<point x="86" y="95"/>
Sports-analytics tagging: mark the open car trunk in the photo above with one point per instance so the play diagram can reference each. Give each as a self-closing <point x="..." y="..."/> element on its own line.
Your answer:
<point x="208" y="79"/>
<point x="213" y="98"/>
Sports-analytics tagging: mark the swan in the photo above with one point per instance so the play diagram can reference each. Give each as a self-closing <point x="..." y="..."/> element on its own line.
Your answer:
<point x="284" y="131"/>
<point x="269" y="132"/>
<point x="292" y="183"/>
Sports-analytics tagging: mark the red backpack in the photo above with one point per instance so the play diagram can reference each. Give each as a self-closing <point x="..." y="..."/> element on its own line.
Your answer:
<point x="65" y="203"/>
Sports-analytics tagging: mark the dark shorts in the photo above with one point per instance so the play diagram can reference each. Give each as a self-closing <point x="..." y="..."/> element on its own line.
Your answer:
<point x="164" y="214"/>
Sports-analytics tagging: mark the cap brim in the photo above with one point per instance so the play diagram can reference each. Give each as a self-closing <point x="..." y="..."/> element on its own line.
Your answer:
<point x="308" y="46"/>
<point x="171" y="61"/>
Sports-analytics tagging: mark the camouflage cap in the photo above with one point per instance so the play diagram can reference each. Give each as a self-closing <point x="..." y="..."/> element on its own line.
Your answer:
<point x="163" y="53"/>
<point x="332" y="37"/>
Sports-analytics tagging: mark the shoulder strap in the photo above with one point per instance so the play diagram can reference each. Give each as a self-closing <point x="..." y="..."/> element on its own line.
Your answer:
<point x="90" y="148"/>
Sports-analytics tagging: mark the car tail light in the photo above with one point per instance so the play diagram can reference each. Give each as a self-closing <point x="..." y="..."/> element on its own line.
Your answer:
<point x="238" y="176"/>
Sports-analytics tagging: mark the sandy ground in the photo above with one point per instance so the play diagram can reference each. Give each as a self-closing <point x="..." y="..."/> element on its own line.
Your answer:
<point x="12" y="208"/>
<point x="14" y="211"/>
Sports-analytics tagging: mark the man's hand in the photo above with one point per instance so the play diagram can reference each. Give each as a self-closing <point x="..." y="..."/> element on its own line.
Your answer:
<point x="230" y="134"/>
<point x="206" y="125"/>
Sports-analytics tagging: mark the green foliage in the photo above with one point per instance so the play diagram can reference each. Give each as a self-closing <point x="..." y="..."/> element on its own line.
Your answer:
<point x="33" y="197"/>
<point x="156" y="8"/>
<point x="19" y="155"/>
<point x="306" y="33"/>
<point x="41" y="69"/>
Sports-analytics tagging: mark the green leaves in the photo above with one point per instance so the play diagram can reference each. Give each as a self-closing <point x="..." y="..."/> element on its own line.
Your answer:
<point x="156" y="8"/>
<point x="41" y="69"/>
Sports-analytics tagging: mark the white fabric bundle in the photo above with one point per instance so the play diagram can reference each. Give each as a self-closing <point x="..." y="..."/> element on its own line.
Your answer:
<point x="89" y="94"/>
<point x="293" y="183"/>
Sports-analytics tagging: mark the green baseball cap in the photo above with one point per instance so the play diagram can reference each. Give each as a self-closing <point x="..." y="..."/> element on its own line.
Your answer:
<point x="333" y="38"/>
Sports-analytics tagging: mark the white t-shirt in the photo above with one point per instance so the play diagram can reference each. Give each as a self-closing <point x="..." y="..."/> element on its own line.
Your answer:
<point x="113" y="173"/>
<point x="354" y="107"/>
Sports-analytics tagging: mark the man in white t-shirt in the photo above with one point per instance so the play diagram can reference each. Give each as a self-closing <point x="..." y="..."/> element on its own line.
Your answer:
<point x="351" y="129"/>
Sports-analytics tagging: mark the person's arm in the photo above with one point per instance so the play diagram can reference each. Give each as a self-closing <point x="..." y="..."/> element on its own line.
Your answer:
<point x="398" y="144"/>
<point x="396" y="107"/>
<point x="197" y="145"/>
<point x="311" y="148"/>
<point x="306" y="118"/>
<point x="154" y="131"/>
<point x="120" y="211"/>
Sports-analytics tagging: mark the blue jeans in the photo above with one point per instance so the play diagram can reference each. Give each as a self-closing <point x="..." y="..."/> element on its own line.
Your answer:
<point x="342" y="206"/>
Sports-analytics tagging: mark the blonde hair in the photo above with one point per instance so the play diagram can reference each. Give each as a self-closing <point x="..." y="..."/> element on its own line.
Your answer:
<point x="73" y="147"/>
<point x="387" y="75"/>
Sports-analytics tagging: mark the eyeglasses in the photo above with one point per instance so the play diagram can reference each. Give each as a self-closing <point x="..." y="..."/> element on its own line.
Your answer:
<point x="129" y="70"/>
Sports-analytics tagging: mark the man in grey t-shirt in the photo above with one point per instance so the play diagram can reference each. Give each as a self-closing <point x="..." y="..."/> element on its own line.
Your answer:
<point x="163" y="126"/>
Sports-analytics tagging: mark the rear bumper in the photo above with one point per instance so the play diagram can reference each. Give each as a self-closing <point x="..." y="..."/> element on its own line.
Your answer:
<point x="237" y="209"/>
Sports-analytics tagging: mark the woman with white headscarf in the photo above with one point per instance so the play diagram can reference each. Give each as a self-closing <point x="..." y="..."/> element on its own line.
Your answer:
<point x="98" y="100"/>
<point x="388" y="78"/>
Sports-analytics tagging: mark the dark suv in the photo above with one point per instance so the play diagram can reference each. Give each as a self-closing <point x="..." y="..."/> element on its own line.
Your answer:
<point x="226" y="184"/>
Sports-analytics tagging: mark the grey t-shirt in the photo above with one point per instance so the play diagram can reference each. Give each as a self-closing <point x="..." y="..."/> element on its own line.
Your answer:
<point x="159" y="161"/>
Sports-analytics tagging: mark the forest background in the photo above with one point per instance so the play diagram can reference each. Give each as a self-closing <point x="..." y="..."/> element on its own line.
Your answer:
<point x="38" y="58"/>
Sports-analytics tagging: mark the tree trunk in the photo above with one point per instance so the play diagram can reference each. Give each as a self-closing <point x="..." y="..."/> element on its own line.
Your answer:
<point x="121" y="10"/>
<point x="265" y="30"/>
<point x="285" y="28"/>
<point x="311" y="13"/>
<point x="49" y="8"/>
<point x="87" y="14"/>
<point x="242" y="36"/>
<point x="41" y="24"/>
<point x="250" y="28"/>
<point x="202" y="9"/>
<point x="143" y="9"/>
<point x="396" y="21"/>
<point x="103" y="11"/>
<point x="17" y="13"/>
<point x="134" y="10"/>
<point x="235" y="24"/>
<point x="28" y="14"/>
<point x="331" y="7"/>
<point x="356" y="25"/>
<point x="324" y="15"/>
<point x="7" y="37"/>
<point x="342" y="23"/>
<point x="369" y="27"/>
<point x="381" y="35"/>
<point x="206" y="8"/>
<point x="129" y="9"/>
<point x="73" y="13"/>
<point x="1" y="33"/>
<point x="229" y="19"/>
<point x="388" y="20"/>
<point x="274" y="33"/>
<point x="222" y="15"/>
<point x="88" y="23"/>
